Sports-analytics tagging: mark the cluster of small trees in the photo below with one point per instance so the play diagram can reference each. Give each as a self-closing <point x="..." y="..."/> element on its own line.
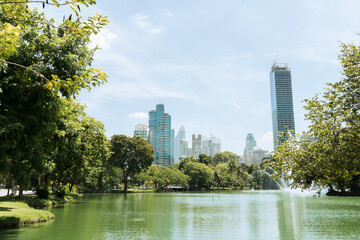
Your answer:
<point x="221" y="171"/>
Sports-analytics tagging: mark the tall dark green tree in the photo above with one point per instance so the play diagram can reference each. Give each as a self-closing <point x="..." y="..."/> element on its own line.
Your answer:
<point x="82" y="147"/>
<point x="131" y="154"/>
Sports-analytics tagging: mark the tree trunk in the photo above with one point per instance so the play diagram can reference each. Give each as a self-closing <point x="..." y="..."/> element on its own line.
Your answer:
<point x="21" y="190"/>
<point x="13" y="191"/>
<point x="100" y="181"/>
<point x="52" y="186"/>
<point x="46" y="179"/>
<point x="342" y="188"/>
<point x="8" y="186"/>
<point x="125" y="182"/>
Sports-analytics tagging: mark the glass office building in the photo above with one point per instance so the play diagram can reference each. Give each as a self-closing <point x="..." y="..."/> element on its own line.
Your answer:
<point x="141" y="130"/>
<point x="281" y="101"/>
<point x="161" y="136"/>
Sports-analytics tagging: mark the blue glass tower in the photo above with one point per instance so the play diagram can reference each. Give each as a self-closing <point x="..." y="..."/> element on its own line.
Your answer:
<point x="281" y="101"/>
<point x="161" y="136"/>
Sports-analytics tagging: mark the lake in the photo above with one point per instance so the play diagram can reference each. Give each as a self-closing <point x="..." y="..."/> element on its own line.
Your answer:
<point x="209" y="215"/>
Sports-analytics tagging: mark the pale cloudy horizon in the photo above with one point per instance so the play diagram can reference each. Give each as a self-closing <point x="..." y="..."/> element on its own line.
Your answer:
<point x="208" y="62"/>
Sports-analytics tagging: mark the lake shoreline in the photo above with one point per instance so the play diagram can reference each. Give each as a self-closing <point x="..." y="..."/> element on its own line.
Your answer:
<point x="17" y="212"/>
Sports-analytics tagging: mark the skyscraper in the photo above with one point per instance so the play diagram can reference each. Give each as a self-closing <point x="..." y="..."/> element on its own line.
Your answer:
<point x="281" y="100"/>
<point x="249" y="145"/>
<point x="257" y="155"/>
<point x="141" y="130"/>
<point x="161" y="135"/>
<point x="196" y="145"/>
<point x="180" y="136"/>
<point x="210" y="146"/>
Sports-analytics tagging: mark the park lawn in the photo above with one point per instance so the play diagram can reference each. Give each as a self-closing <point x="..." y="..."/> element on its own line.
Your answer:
<point x="16" y="214"/>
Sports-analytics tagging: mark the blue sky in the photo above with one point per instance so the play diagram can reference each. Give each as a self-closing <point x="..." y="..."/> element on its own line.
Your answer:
<point x="209" y="62"/>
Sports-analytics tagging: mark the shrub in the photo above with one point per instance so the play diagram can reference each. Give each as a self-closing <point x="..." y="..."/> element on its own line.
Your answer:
<point x="43" y="192"/>
<point x="62" y="191"/>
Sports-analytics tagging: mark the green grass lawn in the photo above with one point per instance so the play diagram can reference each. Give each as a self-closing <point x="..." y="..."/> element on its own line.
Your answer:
<point x="16" y="214"/>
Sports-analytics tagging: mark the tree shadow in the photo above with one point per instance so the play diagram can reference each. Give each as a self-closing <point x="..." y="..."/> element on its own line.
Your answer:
<point x="5" y="209"/>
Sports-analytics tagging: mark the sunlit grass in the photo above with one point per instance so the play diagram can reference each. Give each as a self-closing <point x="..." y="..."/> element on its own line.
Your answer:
<point x="19" y="213"/>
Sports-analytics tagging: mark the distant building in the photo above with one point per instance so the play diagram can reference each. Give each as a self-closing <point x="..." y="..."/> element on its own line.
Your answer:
<point x="210" y="146"/>
<point x="196" y="145"/>
<point x="180" y="137"/>
<point x="141" y="130"/>
<point x="172" y="147"/>
<point x="257" y="155"/>
<point x="281" y="100"/>
<point x="199" y="145"/>
<point x="185" y="151"/>
<point x="161" y="136"/>
<point x="249" y="145"/>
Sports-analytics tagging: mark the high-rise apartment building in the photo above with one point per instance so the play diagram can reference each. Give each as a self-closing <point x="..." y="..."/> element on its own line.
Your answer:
<point x="185" y="151"/>
<point x="161" y="135"/>
<point x="196" y="145"/>
<point x="210" y="146"/>
<point x="180" y="136"/>
<point x="141" y="130"/>
<point x="281" y="100"/>
<point x="257" y="155"/>
<point x="249" y="145"/>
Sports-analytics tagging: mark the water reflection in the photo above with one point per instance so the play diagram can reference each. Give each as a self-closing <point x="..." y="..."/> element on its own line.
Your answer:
<point x="216" y="215"/>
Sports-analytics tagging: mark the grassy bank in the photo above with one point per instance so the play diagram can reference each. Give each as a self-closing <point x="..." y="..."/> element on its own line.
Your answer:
<point x="33" y="201"/>
<point x="16" y="214"/>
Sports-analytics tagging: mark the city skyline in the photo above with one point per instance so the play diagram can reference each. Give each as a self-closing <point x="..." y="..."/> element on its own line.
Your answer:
<point x="157" y="134"/>
<point x="208" y="62"/>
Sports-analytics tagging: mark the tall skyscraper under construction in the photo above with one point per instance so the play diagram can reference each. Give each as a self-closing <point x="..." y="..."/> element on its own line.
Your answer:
<point x="281" y="101"/>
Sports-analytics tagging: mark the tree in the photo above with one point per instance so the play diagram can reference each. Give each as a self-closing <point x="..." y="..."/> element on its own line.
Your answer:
<point x="162" y="177"/>
<point x="223" y="157"/>
<point x="201" y="176"/>
<point x="131" y="155"/>
<point x="40" y="61"/>
<point x="208" y="160"/>
<point x="82" y="147"/>
<point x="327" y="154"/>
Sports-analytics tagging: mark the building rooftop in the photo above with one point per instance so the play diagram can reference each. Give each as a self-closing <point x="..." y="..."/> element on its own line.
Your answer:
<point x="280" y="67"/>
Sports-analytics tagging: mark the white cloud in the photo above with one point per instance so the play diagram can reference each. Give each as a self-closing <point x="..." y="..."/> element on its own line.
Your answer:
<point x="104" y="39"/>
<point x="139" y="115"/>
<point x="235" y="105"/>
<point x="139" y="90"/>
<point x="143" y="22"/>
<point x="170" y="14"/>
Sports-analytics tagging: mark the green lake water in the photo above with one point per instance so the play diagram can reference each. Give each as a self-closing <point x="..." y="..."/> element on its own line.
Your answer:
<point x="210" y="215"/>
